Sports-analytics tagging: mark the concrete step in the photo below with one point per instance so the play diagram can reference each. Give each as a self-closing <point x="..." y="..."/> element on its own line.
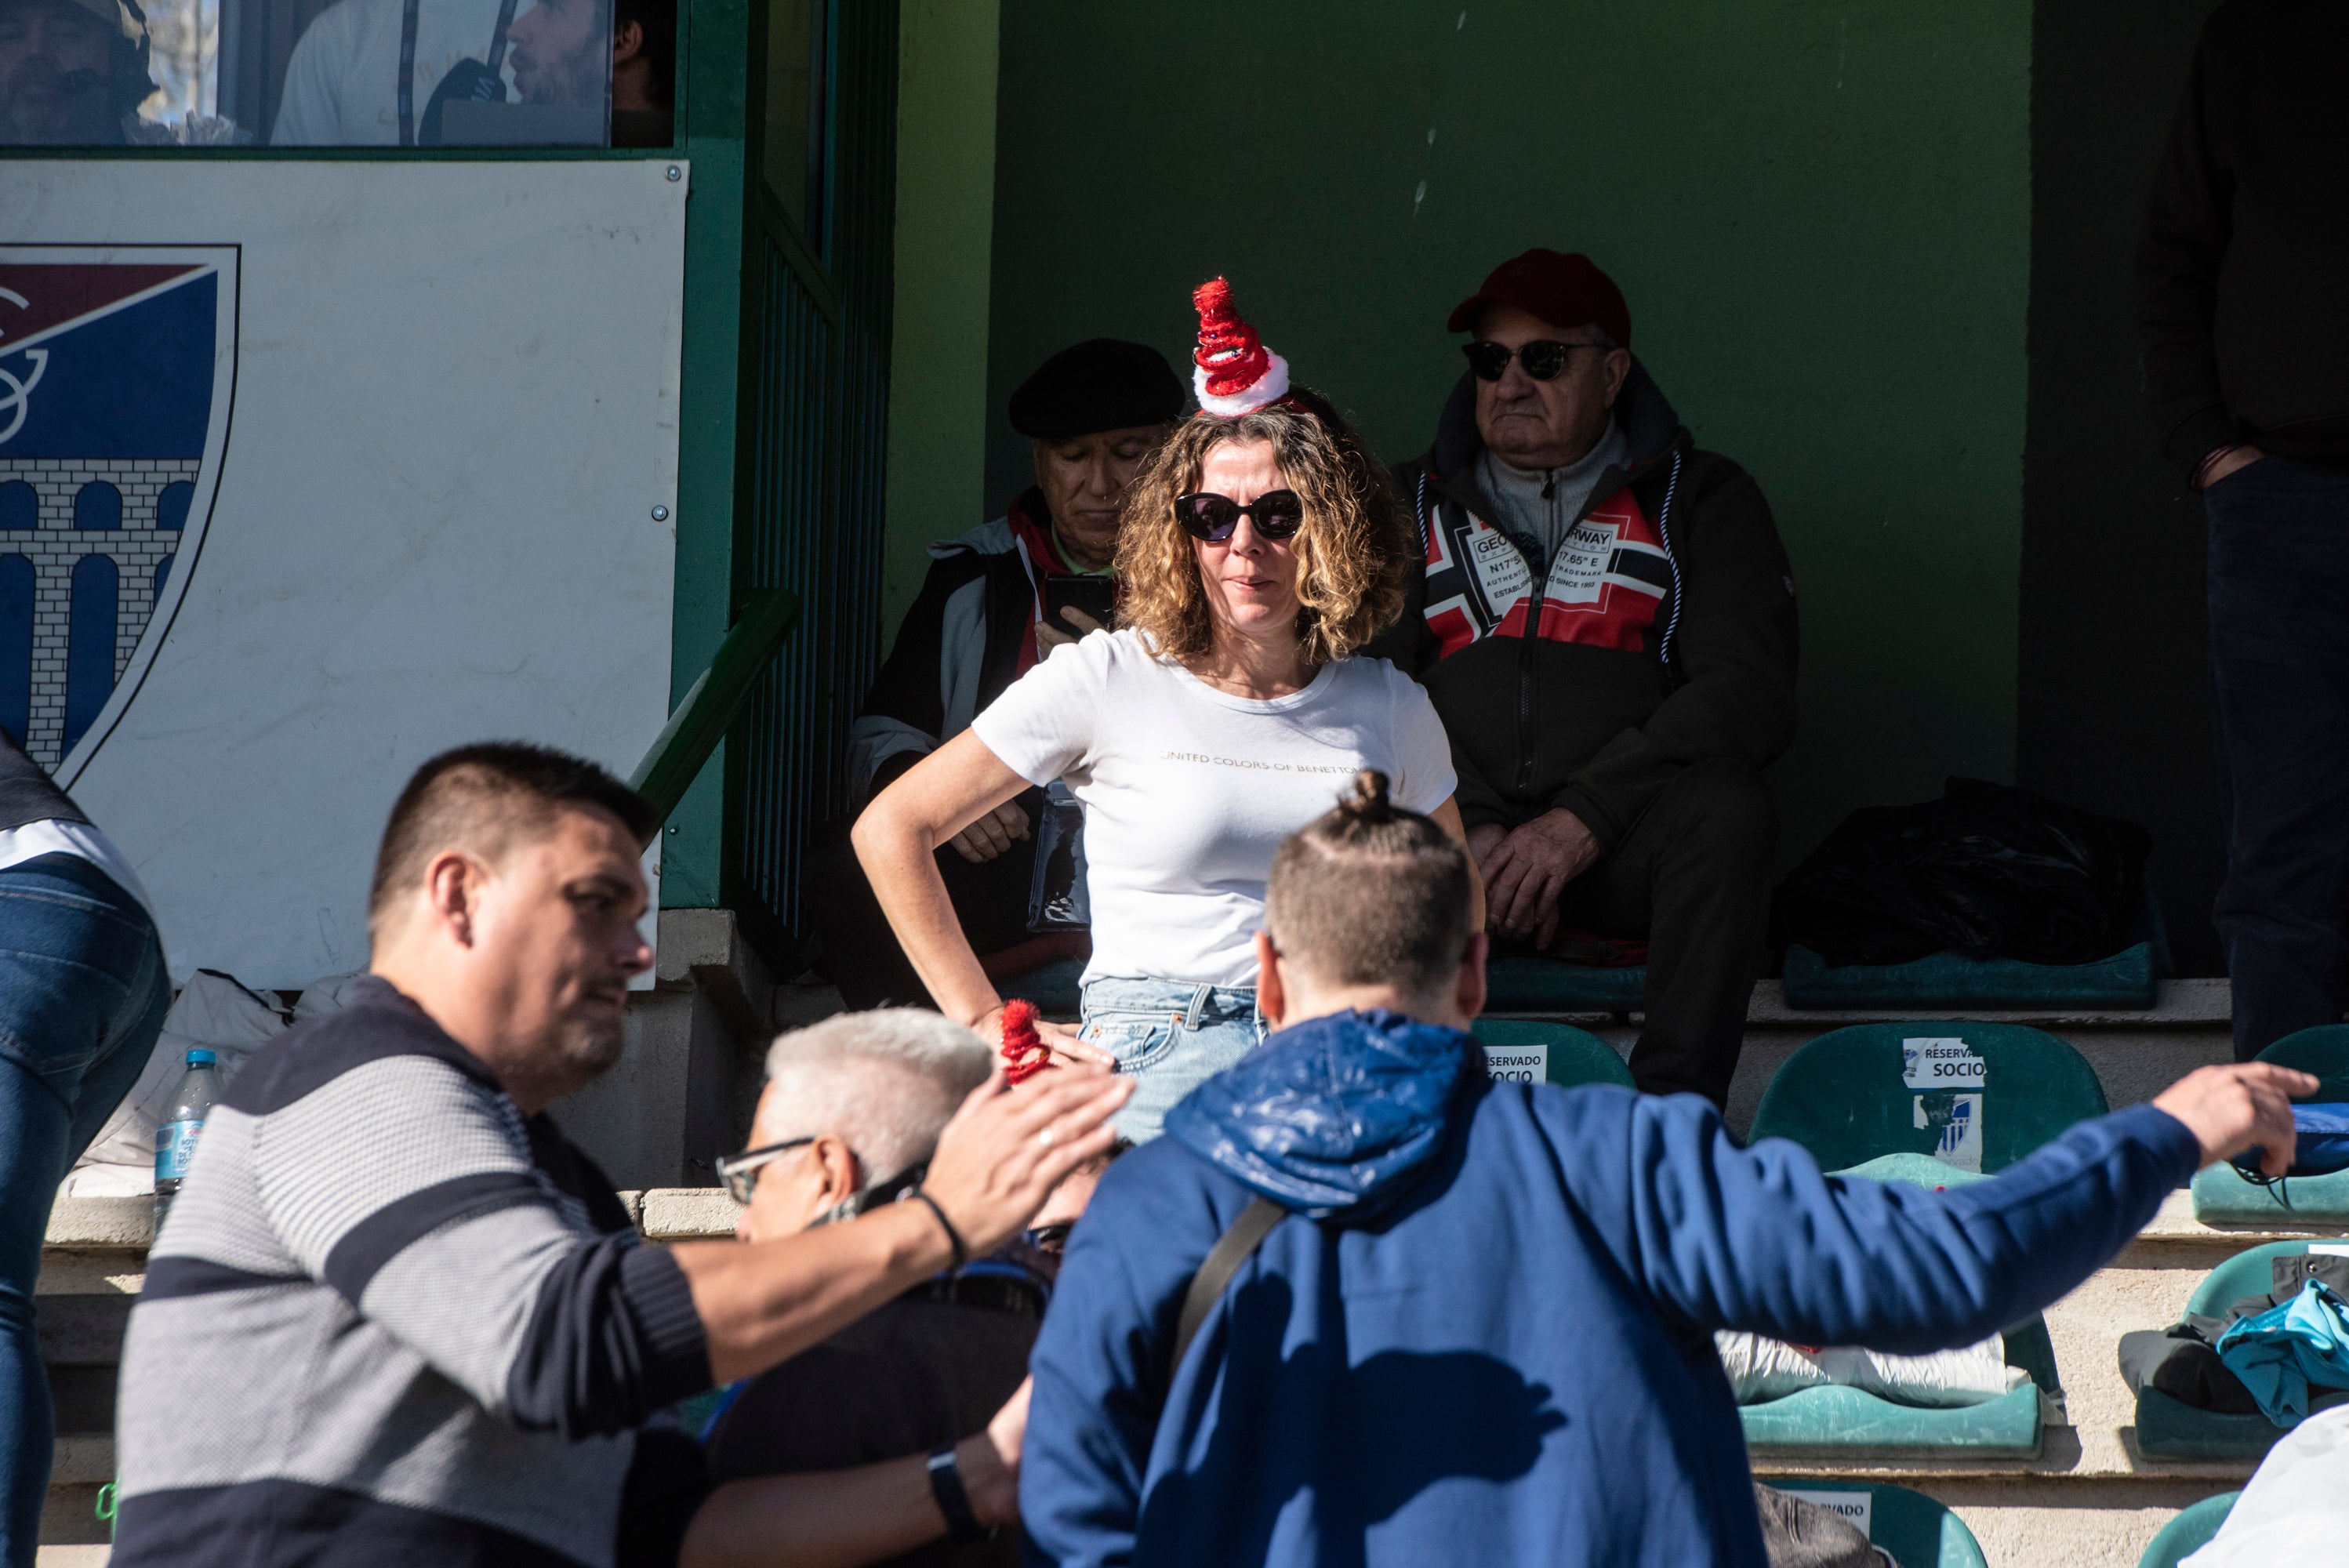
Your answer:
<point x="2090" y="1501"/>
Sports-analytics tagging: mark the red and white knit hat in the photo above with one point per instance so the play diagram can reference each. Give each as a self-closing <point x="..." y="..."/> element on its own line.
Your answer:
<point x="1234" y="372"/>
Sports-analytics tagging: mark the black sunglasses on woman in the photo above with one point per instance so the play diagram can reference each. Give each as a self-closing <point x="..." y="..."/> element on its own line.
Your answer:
<point x="1212" y="519"/>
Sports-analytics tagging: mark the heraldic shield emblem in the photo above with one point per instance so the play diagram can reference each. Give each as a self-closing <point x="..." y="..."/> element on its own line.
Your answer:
<point x="117" y="366"/>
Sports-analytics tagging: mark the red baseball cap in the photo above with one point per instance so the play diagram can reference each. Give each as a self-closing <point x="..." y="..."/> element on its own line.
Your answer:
<point x="1565" y="289"/>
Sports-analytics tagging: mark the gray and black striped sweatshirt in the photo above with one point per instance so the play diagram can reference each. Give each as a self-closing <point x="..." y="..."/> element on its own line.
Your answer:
<point x="390" y="1320"/>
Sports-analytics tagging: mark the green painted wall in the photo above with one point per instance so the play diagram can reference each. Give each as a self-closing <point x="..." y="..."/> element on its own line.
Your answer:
<point x="945" y="211"/>
<point x="1820" y="213"/>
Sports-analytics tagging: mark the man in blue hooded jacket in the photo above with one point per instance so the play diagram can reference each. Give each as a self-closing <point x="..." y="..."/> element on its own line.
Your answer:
<point x="1483" y="1333"/>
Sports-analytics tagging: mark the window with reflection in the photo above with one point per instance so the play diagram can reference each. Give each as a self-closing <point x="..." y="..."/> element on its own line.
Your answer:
<point x="336" y="73"/>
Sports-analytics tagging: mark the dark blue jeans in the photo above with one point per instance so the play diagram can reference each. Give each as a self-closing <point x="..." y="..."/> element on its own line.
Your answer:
<point x="2279" y="587"/>
<point x="82" y="995"/>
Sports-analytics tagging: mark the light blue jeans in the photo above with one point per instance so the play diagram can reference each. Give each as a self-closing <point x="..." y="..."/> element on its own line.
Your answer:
<point x="1172" y="1037"/>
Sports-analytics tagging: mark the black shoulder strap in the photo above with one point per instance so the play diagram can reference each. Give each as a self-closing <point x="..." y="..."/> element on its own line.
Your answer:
<point x="1232" y="1249"/>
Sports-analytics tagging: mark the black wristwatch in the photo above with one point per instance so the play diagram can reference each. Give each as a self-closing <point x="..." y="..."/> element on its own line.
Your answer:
<point x="945" y="1485"/>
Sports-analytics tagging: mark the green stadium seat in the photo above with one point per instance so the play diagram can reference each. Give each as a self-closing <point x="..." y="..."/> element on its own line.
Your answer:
<point x="2225" y="1196"/>
<point x="1549" y="1053"/>
<point x="1842" y="1096"/>
<point x="1850" y="1424"/>
<point x="1919" y="1531"/>
<point x="1528" y="985"/>
<point x="2188" y="1533"/>
<point x="2170" y="1428"/>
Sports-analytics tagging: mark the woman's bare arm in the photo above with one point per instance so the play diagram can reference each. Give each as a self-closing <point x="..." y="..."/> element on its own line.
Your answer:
<point x="896" y="838"/>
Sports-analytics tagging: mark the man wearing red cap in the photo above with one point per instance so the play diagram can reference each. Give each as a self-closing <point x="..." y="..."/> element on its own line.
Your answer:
<point x="1607" y="625"/>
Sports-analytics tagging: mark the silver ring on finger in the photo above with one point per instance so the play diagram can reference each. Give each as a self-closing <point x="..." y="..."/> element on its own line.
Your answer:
<point x="1048" y="1138"/>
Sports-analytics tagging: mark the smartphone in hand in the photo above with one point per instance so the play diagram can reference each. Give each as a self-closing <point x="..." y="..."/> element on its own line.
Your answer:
<point x="1093" y="596"/>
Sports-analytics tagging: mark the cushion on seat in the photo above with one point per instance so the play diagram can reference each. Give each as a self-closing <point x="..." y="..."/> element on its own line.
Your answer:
<point x="2224" y="1195"/>
<point x="2126" y="979"/>
<point x="1848" y="1424"/>
<point x="1854" y="1424"/>
<point x="1953" y="980"/>
<point x="2170" y="1428"/>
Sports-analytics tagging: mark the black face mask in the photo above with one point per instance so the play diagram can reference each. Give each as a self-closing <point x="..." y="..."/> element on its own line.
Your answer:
<point x="880" y="1193"/>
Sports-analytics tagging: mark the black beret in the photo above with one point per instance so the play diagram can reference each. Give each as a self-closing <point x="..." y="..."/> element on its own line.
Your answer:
<point x="1099" y="385"/>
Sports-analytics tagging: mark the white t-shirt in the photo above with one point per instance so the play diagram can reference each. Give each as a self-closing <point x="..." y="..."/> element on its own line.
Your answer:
<point x="342" y="84"/>
<point x="1187" y="791"/>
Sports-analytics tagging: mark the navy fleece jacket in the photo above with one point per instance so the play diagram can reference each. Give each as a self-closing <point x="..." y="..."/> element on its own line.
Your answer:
<point x="1485" y="1334"/>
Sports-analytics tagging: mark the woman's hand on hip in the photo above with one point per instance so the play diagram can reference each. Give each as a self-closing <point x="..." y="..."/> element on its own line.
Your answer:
<point x="1063" y="1039"/>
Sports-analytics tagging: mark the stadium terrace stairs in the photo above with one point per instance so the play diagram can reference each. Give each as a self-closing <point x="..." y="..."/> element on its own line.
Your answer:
<point x="2089" y="1500"/>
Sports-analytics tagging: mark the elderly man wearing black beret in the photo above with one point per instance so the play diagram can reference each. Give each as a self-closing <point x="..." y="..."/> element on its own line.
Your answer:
<point x="1090" y="413"/>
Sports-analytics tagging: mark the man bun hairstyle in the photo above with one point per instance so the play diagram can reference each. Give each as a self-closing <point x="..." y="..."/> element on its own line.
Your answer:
<point x="484" y="799"/>
<point x="1372" y="894"/>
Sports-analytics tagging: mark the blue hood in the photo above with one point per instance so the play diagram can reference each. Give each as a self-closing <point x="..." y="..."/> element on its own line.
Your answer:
<point x="1330" y="1113"/>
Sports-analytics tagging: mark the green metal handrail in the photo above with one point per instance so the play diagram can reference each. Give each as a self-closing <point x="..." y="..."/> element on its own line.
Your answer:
<point x="700" y="721"/>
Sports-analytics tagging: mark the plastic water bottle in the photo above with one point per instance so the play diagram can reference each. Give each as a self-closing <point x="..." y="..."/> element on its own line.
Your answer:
<point x="193" y="1099"/>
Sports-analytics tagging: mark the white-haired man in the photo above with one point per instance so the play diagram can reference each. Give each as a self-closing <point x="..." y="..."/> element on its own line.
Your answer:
<point x="905" y="1428"/>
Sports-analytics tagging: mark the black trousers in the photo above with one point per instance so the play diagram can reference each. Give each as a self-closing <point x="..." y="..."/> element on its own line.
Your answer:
<point x="2279" y="596"/>
<point x="1693" y="876"/>
<point x="861" y="954"/>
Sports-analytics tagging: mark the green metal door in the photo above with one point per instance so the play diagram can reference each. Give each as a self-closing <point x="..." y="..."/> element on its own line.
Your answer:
<point x="821" y="191"/>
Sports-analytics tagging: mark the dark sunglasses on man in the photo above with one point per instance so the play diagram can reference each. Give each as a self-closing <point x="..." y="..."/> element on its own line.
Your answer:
<point x="1543" y="358"/>
<point x="1212" y="519"/>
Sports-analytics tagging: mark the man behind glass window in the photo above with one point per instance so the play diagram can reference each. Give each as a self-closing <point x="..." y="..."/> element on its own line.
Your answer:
<point x="72" y="73"/>
<point x="342" y="85"/>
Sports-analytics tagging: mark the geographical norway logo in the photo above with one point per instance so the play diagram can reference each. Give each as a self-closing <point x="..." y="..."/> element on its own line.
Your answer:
<point x="117" y="366"/>
<point x="1606" y="581"/>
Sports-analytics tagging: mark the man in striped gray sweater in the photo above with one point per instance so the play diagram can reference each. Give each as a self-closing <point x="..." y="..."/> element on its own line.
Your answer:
<point x="396" y="1317"/>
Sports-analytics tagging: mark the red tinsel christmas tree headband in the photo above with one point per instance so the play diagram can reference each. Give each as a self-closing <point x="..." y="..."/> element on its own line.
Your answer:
<point x="1235" y="372"/>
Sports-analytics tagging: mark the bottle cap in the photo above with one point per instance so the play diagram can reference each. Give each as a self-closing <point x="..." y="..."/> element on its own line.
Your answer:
<point x="204" y="1059"/>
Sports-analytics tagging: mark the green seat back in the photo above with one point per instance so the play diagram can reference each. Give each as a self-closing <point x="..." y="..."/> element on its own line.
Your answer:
<point x="1919" y="1531"/>
<point x="2245" y="1274"/>
<point x="2323" y="1050"/>
<point x="2188" y="1533"/>
<point x="1842" y="1096"/>
<point x="1575" y="1056"/>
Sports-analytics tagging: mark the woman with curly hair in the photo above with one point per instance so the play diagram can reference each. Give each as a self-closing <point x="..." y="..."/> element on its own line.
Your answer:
<point x="1260" y="547"/>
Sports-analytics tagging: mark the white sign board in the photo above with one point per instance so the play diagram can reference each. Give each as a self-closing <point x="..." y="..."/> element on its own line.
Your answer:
<point x="419" y="509"/>
<point x="1517" y="1064"/>
<point x="1952" y="1076"/>
<point x="1942" y="1064"/>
